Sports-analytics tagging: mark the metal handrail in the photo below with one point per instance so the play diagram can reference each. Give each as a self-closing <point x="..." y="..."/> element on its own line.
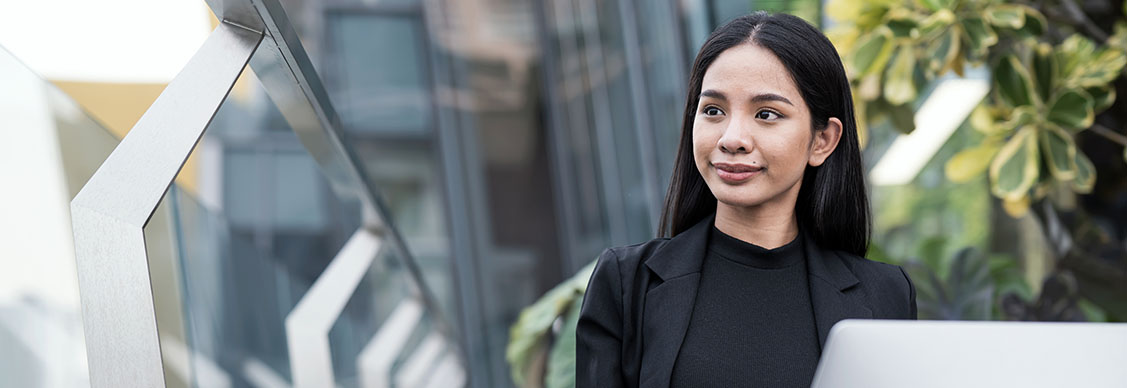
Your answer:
<point x="110" y="212"/>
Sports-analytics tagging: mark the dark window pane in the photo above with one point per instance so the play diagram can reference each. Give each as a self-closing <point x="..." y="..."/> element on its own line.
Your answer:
<point x="381" y="80"/>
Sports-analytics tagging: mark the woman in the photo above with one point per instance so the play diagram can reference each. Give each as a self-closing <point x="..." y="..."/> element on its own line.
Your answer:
<point x="769" y="223"/>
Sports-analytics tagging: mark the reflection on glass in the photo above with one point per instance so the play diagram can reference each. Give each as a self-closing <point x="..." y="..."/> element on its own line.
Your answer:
<point x="382" y="81"/>
<point x="264" y="227"/>
<point x="41" y="340"/>
<point x="260" y="233"/>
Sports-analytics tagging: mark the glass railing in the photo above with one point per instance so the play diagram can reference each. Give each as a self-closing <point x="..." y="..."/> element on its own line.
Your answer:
<point x="276" y="265"/>
<point x="266" y="230"/>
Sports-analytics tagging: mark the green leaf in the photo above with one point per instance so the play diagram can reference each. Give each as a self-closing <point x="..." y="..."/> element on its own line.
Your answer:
<point x="899" y="85"/>
<point x="1085" y="174"/>
<point x="1034" y="23"/>
<point x="1109" y="62"/>
<point x="1019" y="117"/>
<point x="936" y="5"/>
<point x="528" y="337"/>
<point x="1072" y="110"/>
<point x="872" y="13"/>
<point x="935" y="23"/>
<point x="1119" y="37"/>
<point x="1102" y="98"/>
<point x="1060" y="153"/>
<point x="561" y="360"/>
<point x="943" y="51"/>
<point x="1092" y="312"/>
<point x="1085" y="65"/>
<point x="1013" y="81"/>
<point x="1075" y="52"/>
<point x="902" y="22"/>
<point x="982" y="120"/>
<point x="873" y="50"/>
<point x="1006" y="15"/>
<point x="902" y="118"/>
<point x="980" y="36"/>
<point x="902" y="28"/>
<point x="1045" y="69"/>
<point x="1016" y="207"/>
<point x="1015" y="169"/>
<point x="970" y="163"/>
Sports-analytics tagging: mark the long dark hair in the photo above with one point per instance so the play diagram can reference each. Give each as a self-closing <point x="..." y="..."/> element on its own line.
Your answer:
<point x="832" y="205"/>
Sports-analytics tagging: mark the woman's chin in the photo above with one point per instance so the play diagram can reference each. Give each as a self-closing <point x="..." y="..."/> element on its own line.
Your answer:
<point x="740" y="200"/>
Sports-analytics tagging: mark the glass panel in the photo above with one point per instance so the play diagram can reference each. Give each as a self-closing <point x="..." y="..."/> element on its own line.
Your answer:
<point x="396" y="98"/>
<point x="385" y="289"/>
<point x="263" y="228"/>
<point x="261" y="231"/>
<point x="406" y="175"/>
<point x="41" y="339"/>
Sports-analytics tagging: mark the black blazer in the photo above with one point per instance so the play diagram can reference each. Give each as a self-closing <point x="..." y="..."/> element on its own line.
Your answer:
<point x="640" y="297"/>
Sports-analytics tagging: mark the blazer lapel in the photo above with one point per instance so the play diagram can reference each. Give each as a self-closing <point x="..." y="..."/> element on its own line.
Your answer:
<point x="832" y="290"/>
<point x="669" y="305"/>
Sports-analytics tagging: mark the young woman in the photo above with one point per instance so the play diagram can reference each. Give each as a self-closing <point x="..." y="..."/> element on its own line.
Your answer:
<point x="769" y="225"/>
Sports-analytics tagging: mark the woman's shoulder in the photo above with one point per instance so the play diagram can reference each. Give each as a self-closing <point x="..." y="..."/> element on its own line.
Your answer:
<point x="629" y="257"/>
<point x="887" y="282"/>
<point x="874" y="271"/>
<point x="614" y="281"/>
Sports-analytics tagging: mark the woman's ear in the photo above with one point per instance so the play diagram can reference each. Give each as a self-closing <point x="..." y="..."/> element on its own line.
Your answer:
<point x="825" y="141"/>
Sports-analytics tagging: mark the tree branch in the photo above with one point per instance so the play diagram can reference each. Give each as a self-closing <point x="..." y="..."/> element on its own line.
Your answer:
<point x="1082" y="19"/>
<point x="1109" y="134"/>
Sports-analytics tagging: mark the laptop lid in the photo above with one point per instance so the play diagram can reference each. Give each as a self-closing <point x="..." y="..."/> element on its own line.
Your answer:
<point x="897" y="354"/>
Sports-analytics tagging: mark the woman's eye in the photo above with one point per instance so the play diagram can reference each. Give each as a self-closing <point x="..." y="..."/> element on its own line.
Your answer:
<point x="766" y="115"/>
<point x="712" y="111"/>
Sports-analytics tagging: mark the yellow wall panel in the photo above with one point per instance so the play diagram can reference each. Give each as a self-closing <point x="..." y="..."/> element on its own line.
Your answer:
<point x="118" y="106"/>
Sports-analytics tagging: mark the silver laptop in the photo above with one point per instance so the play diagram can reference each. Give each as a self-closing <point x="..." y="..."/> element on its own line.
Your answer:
<point x="964" y="354"/>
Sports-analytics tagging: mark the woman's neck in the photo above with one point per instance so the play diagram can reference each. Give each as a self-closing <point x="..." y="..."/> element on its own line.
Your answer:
<point x="760" y="225"/>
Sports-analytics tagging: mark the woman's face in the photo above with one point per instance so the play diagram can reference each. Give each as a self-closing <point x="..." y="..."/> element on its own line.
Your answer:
<point x="752" y="138"/>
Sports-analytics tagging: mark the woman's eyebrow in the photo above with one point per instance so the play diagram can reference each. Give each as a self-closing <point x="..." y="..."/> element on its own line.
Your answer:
<point x="758" y="98"/>
<point x="765" y="97"/>
<point x="714" y="94"/>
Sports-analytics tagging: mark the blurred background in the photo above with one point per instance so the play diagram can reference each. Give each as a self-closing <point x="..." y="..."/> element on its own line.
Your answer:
<point x="514" y="140"/>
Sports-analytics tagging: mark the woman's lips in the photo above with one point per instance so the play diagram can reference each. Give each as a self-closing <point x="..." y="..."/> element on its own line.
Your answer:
<point x="736" y="172"/>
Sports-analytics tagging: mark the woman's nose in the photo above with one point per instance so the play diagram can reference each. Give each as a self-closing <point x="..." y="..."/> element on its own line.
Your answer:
<point x="736" y="140"/>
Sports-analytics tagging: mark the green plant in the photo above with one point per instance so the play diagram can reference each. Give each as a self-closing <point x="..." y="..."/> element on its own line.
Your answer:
<point x="1056" y="70"/>
<point x="1044" y="92"/>
<point x="541" y="350"/>
<point x="966" y="285"/>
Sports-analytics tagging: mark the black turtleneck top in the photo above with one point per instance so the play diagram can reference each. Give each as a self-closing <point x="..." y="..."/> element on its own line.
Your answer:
<point x="752" y="323"/>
